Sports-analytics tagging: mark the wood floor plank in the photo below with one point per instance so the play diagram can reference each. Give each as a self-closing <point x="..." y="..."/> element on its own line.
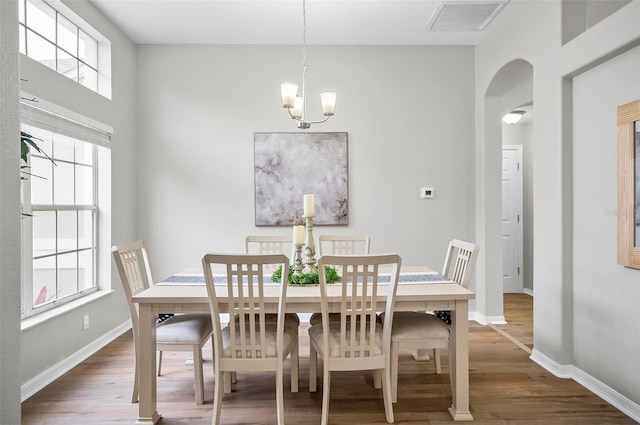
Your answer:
<point x="506" y="388"/>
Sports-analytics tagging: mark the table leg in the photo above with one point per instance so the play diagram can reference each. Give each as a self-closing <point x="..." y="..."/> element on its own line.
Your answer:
<point x="459" y="362"/>
<point x="146" y="363"/>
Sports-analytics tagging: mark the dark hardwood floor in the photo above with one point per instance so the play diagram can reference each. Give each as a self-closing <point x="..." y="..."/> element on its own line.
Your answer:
<point x="505" y="386"/>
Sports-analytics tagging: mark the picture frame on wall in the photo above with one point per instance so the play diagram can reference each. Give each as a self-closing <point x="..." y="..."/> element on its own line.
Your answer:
<point x="289" y="165"/>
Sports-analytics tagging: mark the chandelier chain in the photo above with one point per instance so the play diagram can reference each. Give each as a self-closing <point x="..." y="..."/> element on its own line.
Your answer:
<point x="304" y="57"/>
<point x="297" y="105"/>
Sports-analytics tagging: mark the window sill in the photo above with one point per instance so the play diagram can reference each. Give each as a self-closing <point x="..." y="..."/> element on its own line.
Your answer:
<point x="38" y="319"/>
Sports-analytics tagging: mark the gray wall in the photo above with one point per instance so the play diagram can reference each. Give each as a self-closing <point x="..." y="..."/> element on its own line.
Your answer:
<point x="606" y="296"/>
<point x="9" y="217"/>
<point x="409" y="116"/>
<point x="586" y="307"/>
<point x="44" y="346"/>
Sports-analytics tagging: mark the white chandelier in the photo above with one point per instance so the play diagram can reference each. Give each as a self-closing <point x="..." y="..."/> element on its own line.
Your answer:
<point x="297" y="105"/>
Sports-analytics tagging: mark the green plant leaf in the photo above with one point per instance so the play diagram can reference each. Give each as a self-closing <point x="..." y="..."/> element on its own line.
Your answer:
<point x="27" y="143"/>
<point x="306" y="278"/>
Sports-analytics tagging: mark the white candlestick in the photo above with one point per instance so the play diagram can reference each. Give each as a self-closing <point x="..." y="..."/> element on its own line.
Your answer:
<point x="308" y="205"/>
<point x="298" y="235"/>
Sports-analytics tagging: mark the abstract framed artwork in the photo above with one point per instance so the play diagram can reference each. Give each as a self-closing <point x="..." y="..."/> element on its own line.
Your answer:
<point x="289" y="165"/>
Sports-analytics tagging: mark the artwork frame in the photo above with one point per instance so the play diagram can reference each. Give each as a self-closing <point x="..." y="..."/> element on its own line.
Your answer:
<point x="289" y="165"/>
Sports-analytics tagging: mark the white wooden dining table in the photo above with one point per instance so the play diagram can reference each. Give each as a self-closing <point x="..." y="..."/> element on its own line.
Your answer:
<point x="417" y="291"/>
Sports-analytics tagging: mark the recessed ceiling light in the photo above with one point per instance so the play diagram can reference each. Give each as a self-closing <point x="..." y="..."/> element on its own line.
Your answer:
<point x="513" y="117"/>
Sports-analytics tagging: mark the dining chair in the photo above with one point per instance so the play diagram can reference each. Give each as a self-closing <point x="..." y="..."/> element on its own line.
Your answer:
<point x="268" y="244"/>
<point x="423" y="330"/>
<point x="343" y="244"/>
<point x="271" y="244"/>
<point x="183" y="332"/>
<point x="340" y="245"/>
<point x="357" y="341"/>
<point x="250" y="343"/>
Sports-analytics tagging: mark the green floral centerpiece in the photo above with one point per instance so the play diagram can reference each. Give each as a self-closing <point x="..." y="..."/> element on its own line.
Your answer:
<point x="306" y="278"/>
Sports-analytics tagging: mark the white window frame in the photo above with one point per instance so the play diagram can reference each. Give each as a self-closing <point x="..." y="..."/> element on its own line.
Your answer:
<point x="78" y="127"/>
<point x="103" y="67"/>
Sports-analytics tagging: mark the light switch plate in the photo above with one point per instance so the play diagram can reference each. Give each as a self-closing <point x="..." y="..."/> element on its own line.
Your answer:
<point x="426" y="192"/>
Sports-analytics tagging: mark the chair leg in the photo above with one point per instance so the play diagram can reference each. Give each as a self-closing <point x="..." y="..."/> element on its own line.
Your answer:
<point x="377" y="379"/>
<point x="197" y="374"/>
<point x="134" y="394"/>
<point x="159" y="362"/>
<point x="436" y="358"/>
<point x="421" y="355"/>
<point x="386" y="394"/>
<point x="228" y="377"/>
<point x="326" y="391"/>
<point x="295" y="366"/>
<point x="234" y="378"/>
<point x="217" y="396"/>
<point x="395" y="348"/>
<point x="313" y="369"/>
<point x="280" y="394"/>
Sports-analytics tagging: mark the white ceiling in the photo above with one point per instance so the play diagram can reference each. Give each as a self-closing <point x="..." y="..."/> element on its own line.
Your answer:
<point x="333" y="22"/>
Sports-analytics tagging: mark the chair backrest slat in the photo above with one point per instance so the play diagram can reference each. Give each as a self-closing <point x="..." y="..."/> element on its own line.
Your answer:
<point x="343" y="244"/>
<point x="460" y="261"/>
<point x="132" y="263"/>
<point x="269" y="244"/>
<point x="245" y="280"/>
<point x="360" y="294"/>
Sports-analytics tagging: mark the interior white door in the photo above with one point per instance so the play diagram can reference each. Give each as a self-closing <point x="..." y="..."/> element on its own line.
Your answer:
<point x="512" y="218"/>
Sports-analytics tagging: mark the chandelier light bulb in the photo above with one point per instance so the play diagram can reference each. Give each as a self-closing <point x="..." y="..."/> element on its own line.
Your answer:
<point x="296" y="111"/>
<point x="328" y="100"/>
<point x="289" y="92"/>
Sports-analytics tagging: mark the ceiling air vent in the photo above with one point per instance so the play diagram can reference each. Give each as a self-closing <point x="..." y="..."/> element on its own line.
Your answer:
<point x="465" y="15"/>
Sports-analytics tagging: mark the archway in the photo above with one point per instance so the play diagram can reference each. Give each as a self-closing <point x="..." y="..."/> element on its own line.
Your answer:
<point x="511" y="86"/>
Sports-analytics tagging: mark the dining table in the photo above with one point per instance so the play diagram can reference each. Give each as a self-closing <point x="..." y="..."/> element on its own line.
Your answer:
<point x="419" y="289"/>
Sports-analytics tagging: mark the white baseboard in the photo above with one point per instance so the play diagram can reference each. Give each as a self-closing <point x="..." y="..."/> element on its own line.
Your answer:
<point x="611" y="396"/>
<point x="528" y="291"/>
<point x="40" y="381"/>
<point x="485" y="320"/>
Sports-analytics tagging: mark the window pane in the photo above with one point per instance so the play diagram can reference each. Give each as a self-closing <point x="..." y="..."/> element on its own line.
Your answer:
<point x="23" y="45"/>
<point x="67" y="35"/>
<point x="21" y="11"/>
<point x="85" y="229"/>
<point x="84" y="185"/>
<point x="85" y="270"/>
<point x="42" y="18"/>
<point x="88" y="49"/>
<point x="67" y="65"/>
<point x="84" y="152"/>
<point x="41" y="50"/>
<point x="63" y="185"/>
<point x="67" y="274"/>
<point x="88" y="77"/>
<point x="42" y="138"/>
<point x="44" y="280"/>
<point x="63" y="147"/>
<point x="41" y="180"/>
<point x="67" y="230"/>
<point x="44" y="233"/>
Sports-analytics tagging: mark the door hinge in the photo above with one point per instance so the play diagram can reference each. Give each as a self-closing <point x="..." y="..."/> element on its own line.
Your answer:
<point x="518" y="165"/>
<point x="518" y="269"/>
<point x="518" y="218"/>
